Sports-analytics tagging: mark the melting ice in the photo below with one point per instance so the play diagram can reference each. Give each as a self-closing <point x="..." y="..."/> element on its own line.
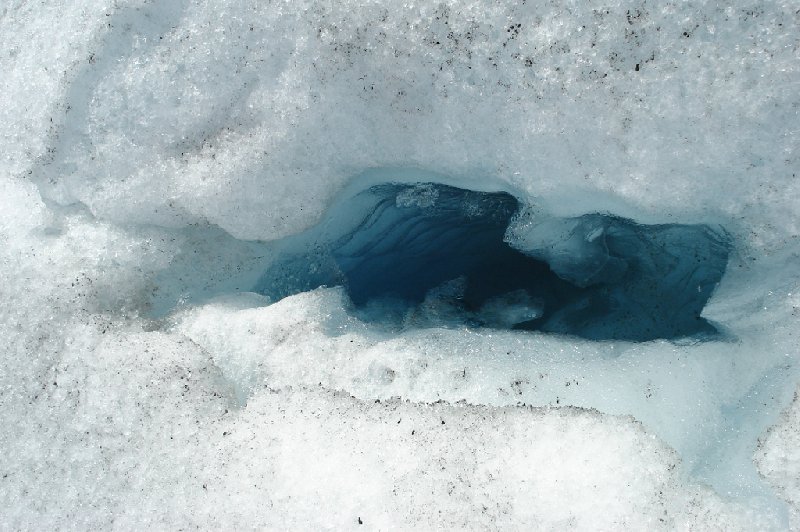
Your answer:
<point x="430" y="254"/>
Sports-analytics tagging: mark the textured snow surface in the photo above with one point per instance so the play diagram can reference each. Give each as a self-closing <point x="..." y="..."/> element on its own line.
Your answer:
<point x="778" y="458"/>
<point x="153" y="154"/>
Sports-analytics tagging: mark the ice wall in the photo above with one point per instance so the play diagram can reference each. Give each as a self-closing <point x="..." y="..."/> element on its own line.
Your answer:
<point x="152" y="154"/>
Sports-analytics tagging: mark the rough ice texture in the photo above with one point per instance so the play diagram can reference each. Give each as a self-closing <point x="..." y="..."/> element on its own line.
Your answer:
<point x="251" y="117"/>
<point x="778" y="458"/>
<point x="139" y="140"/>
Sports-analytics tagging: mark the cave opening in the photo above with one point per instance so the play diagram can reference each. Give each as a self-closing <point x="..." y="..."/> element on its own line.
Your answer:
<point x="433" y="255"/>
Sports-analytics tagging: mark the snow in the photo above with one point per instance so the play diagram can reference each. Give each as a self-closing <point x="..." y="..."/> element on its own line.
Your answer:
<point x="154" y="155"/>
<point x="778" y="458"/>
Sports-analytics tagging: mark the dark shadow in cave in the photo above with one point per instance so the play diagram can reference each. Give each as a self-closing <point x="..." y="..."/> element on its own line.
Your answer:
<point x="422" y="255"/>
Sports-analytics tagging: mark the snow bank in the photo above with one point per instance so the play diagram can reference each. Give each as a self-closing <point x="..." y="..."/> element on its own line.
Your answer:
<point x="148" y="436"/>
<point x="253" y="117"/>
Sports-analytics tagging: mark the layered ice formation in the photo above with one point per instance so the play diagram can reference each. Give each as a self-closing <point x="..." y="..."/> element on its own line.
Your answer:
<point x="450" y="264"/>
<point x="428" y="254"/>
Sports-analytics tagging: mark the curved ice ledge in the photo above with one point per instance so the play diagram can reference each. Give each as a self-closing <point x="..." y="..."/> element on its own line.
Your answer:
<point x="429" y="254"/>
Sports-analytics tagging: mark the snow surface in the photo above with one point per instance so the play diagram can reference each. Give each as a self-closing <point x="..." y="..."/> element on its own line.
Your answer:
<point x="778" y="458"/>
<point x="153" y="153"/>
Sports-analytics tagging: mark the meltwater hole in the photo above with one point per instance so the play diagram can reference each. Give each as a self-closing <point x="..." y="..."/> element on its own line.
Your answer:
<point x="429" y="254"/>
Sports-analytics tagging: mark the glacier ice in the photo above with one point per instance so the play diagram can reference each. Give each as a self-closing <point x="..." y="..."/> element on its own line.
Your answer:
<point x="401" y="250"/>
<point x="158" y="158"/>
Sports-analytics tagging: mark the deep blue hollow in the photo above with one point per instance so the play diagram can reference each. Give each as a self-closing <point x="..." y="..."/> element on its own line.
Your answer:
<point x="435" y="255"/>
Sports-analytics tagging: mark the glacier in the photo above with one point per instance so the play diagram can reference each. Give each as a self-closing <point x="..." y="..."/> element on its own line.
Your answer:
<point x="200" y="331"/>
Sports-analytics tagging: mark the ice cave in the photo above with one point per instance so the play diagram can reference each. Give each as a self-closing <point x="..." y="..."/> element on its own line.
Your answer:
<point x="428" y="254"/>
